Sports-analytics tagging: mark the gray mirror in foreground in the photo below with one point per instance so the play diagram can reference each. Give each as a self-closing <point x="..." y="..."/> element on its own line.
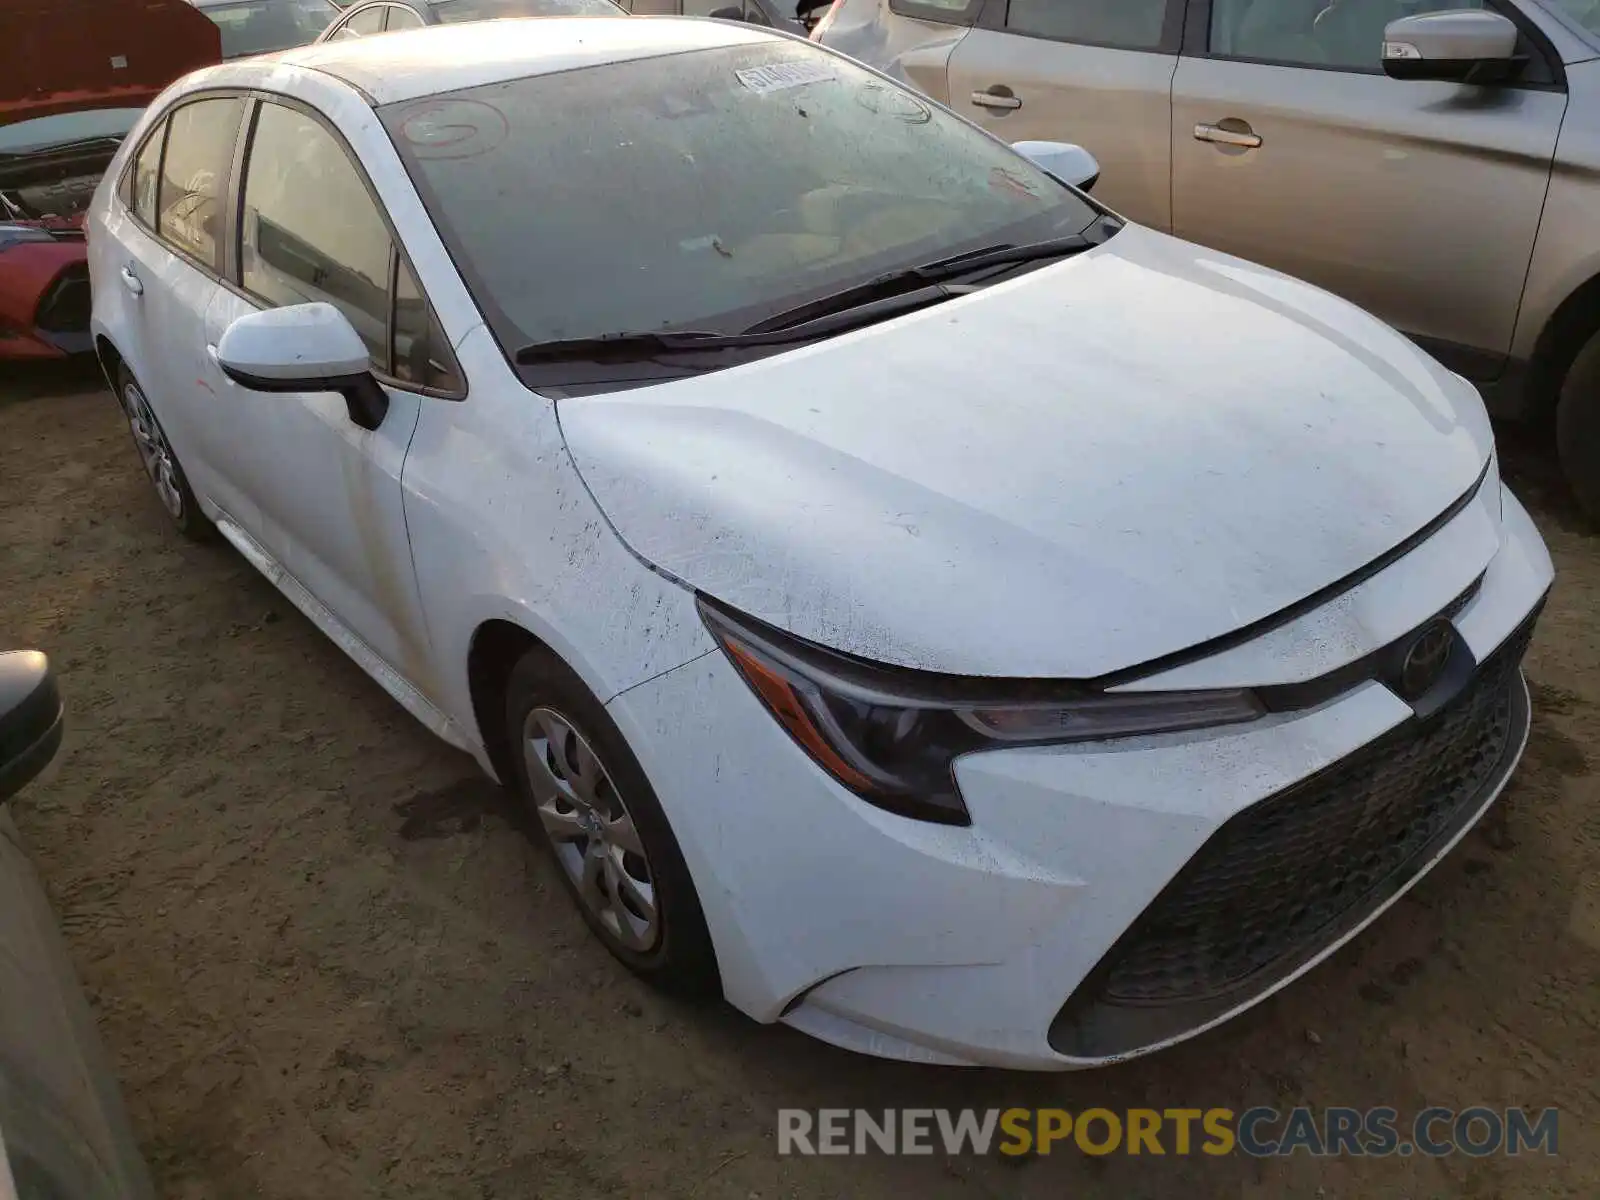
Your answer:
<point x="304" y="348"/>
<point x="1465" y="46"/>
<point x="31" y="719"/>
<point x="1071" y="164"/>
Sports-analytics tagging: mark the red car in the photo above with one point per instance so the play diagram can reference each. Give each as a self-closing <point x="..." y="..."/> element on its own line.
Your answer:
<point x="75" y="75"/>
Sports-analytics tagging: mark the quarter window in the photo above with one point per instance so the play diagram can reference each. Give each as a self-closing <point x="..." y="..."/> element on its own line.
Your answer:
<point x="199" y="153"/>
<point x="146" y="174"/>
<point x="403" y="18"/>
<point x="364" y="23"/>
<point x="1123" y="24"/>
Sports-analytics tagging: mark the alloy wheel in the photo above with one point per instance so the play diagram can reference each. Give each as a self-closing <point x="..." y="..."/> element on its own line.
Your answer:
<point x="153" y="450"/>
<point x="595" y="838"/>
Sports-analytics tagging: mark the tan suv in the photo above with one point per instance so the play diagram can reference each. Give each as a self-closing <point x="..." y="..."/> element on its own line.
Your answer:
<point x="1437" y="163"/>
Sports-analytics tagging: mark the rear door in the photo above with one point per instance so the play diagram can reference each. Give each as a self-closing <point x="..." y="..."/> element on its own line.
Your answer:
<point x="1418" y="201"/>
<point x="165" y="269"/>
<point x="1095" y="72"/>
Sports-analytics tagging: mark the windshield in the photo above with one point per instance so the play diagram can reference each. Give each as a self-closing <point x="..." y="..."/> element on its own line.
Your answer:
<point x="486" y="10"/>
<point x="1585" y="12"/>
<point x="706" y="190"/>
<point x="64" y="128"/>
<point x="262" y="26"/>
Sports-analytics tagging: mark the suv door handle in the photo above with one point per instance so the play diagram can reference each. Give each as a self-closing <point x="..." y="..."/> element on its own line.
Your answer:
<point x="131" y="281"/>
<point x="1244" y="139"/>
<point x="999" y="96"/>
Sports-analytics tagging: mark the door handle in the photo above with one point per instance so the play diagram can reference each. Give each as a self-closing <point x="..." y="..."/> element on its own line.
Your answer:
<point x="998" y="97"/>
<point x="1244" y="138"/>
<point x="131" y="281"/>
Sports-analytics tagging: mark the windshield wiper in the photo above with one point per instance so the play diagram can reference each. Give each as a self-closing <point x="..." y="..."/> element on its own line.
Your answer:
<point x="954" y="267"/>
<point x="643" y="345"/>
<point x="877" y="299"/>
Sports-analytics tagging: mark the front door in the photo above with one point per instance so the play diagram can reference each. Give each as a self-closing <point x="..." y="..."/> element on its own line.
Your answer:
<point x="1418" y="201"/>
<point x="331" y="512"/>
<point x="1094" y="72"/>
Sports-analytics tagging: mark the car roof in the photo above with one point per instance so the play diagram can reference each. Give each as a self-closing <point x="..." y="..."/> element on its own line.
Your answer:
<point x="415" y="63"/>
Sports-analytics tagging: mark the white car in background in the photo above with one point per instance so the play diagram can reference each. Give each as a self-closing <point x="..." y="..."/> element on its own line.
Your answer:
<point x="915" y="603"/>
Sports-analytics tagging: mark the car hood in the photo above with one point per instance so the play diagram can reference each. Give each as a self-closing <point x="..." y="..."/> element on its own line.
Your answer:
<point x="1101" y="462"/>
<point x="70" y="55"/>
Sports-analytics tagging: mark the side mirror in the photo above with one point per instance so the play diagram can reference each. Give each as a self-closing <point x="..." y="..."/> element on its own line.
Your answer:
<point x="31" y="719"/>
<point x="1466" y="46"/>
<point x="1071" y="164"/>
<point x="304" y="348"/>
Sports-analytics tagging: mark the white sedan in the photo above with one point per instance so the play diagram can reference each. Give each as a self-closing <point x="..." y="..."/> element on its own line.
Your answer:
<point x="916" y="604"/>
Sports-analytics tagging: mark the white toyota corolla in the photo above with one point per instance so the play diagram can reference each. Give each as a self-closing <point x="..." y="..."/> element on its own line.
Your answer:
<point x="916" y="603"/>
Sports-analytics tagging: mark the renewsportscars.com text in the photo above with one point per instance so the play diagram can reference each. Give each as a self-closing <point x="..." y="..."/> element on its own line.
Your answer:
<point x="1260" y="1132"/>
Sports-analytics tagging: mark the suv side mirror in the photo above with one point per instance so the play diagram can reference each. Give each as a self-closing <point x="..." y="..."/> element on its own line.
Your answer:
<point x="304" y="348"/>
<point x="1467" y="46"/>
<point x="31" y="719"/>
<point x="1071" y="164"/>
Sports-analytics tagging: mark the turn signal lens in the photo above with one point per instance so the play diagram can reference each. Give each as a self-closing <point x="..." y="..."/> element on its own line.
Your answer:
<point x="892" y="735"/>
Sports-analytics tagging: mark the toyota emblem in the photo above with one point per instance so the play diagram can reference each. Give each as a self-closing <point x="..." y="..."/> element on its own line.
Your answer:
<point x="1426" y="659"/>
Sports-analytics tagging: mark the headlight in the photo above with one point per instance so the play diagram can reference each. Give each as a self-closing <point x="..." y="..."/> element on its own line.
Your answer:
<point x="891" y="735"/>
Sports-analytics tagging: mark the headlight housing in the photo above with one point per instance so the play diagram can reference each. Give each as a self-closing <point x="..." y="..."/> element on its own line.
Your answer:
<point x="892" y="735"/>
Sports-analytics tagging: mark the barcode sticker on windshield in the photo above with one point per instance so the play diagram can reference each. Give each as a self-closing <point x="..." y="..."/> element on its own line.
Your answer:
<point x="777" y="76"/>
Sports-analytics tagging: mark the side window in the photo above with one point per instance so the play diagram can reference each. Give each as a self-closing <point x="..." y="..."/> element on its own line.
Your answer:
<point x="420" y="356"/>
<point x="403" y="18"/>
<point x="146" y="171"/>
<point x="945" y="12"/>
<point x="365" y="23"/>
<point x="194" y="170"/>
<point x="1343" y="34"/>
<point x="309" y="228"/>
<point x="1123" y="24"/>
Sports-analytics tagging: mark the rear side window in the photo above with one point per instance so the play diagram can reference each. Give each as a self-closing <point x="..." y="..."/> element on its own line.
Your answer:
<point x="1121" y="24"/>
<point x="403" y="18"/>
<point x="189" y="209"/>
<point x="146" y="174"/>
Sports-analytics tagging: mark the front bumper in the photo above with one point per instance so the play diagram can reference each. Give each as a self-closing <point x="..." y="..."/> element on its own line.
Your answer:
<point x="1109" y="899"/>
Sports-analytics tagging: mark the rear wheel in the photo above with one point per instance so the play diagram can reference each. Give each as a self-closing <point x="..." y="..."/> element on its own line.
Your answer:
<point x="599" y="818"/>
<point x="1578" y="427"/>
<point x="160" y="463"/>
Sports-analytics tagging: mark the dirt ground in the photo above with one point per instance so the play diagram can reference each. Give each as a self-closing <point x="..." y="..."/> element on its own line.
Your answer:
<point x="327" y="966"/>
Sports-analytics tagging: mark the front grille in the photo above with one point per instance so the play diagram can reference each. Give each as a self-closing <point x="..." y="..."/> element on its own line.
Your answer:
<point x="65" y="306"/>
<point x="1287" y="876"/>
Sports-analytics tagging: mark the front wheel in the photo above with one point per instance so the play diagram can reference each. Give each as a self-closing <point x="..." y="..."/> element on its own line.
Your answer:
<point x="599" y="818"/>
<point x="160" y="463"/>
<point x="1578" y="428"/>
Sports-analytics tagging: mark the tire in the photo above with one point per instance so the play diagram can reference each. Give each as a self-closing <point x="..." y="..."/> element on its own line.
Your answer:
<point x="160" y="463"/>
<point x="1578" y="428"/>
<point x="581" y="784"/>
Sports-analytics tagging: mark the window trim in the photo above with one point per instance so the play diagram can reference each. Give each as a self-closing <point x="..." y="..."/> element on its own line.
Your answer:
<point x="1197" y="44"/>
<point x="164" y="126"/>
<point x="233" y="281"/>
<point x="996" y="12"/>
